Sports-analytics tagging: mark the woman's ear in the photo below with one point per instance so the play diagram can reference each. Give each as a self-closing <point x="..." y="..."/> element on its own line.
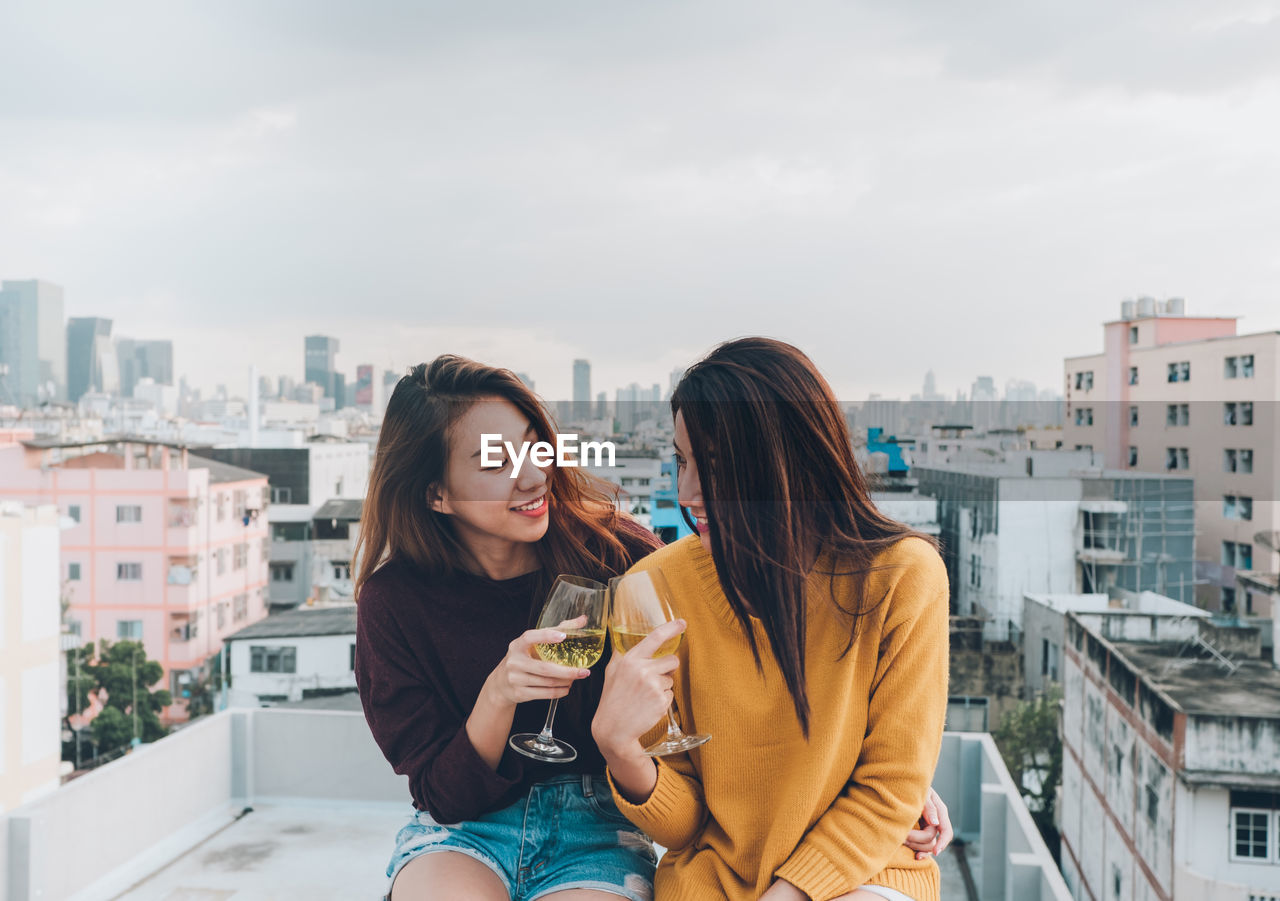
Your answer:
<point x="437" y="500"/>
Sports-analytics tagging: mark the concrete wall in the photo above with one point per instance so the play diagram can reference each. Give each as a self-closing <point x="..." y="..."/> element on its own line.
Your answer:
<point x="30" y="688"/>
<point x="1233" y="744"/>
<point x="164" y="798"/>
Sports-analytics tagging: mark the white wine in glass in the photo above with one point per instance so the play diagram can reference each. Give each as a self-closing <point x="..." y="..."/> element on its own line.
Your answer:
<point x="570" y="598"/>
<point x="639" y="603"/>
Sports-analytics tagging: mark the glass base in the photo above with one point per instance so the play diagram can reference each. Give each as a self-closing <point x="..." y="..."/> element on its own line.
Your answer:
<point x="675" y="745"/>
<point x="552" y="750"/>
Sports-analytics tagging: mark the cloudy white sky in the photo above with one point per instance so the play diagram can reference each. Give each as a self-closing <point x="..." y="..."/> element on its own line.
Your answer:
<point x="893" y="186"/>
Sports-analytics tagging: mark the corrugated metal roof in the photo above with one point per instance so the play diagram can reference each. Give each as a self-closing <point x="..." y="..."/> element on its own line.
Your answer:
<point x="347" y="509"/>
<point x="302" y="622"/>
<point x="222" y="472"/>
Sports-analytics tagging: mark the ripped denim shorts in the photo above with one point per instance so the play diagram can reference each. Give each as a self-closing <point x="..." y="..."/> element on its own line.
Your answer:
<point x="566" y="833"/>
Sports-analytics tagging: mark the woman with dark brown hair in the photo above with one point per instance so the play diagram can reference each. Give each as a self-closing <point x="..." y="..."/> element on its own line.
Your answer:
<point x="455" y="557"/>
<point x="816" y="656"/>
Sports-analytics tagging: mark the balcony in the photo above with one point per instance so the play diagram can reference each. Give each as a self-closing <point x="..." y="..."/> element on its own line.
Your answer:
<point x="300" y="804"/>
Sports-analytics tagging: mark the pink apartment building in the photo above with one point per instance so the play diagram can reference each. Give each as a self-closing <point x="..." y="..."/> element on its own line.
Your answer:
<point x="158" y="543"/>
<point x="1187" y="395"/>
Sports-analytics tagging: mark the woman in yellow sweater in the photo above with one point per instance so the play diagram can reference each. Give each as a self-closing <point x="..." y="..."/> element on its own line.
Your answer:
<point x="816" y="655"/>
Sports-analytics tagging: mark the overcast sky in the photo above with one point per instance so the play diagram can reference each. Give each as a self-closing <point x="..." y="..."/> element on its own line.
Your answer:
<point x="893" y="186"/>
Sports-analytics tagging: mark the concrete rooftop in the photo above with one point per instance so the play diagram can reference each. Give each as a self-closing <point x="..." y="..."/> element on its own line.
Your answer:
<point x="257" y="804"/>
<point x="1203" y="688"/>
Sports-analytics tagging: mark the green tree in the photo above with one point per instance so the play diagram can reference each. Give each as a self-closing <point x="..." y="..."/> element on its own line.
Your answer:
<point x="1032" y="750"/>
<point x="122" y="668"/>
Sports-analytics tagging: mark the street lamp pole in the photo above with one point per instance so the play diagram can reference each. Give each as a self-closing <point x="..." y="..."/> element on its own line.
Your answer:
<point x="134" y="664"/>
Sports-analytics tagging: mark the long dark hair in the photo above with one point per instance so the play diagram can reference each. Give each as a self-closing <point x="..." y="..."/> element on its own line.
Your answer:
<point x="397" y="522"/>
<point x="781" y="485"/>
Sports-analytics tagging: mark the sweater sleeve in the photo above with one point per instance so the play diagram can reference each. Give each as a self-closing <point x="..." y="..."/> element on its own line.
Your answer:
<point x="858" y="834"/>
<point x="413" y="725"/>
<point x="674" y="813"/>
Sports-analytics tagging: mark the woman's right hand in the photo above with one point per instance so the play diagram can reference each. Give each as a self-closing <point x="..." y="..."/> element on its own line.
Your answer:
<point x="524" y="676"/>
<point x="637" y="693"/>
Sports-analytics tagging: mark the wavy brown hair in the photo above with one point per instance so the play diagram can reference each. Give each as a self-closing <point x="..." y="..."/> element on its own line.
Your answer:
<point x="397" y="522"/>
<point x="781" y="485"/>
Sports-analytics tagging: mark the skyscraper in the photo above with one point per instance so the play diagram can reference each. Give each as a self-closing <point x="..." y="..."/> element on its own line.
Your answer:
<point x="144" y="359"/>
<point x="91" y="358"/>
<point x="321" y="352"/>
<point x="33" y="343"/>
<point x="582" y="389"/>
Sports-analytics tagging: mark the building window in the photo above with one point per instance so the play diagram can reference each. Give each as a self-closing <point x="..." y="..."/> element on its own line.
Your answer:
<point x="1084" y="380"/>
<point x="129" y="629"/>
<point x="281" y="495"/>
<point x="74" y="512"/>
<point x="352" y="660"/>
<point x="1133" y="416"/>
<point x="1133" y="375"/>
<point x="241" y="607"/>
<point x="1180" y="372"/>
<point x="1084" y="416"/>
<point x="1133" y="456"/>
<point x="272" y="660"/>
<point x="128" y="513"/>
<point x="1237" y="460"/>
<point x="1238" y="367"/>
<point x="73" y="572"/>
<point x="281" y="572"/>
<point x="241" y="556"/>
<point x="1237" y="506"/>
<point x="966" y="713"/>
<point x="1177" y="458"/>
<point x="1133" y="334"/>
<point x="220" y="557"/>
<point x="1178" y="414"/>
<point x="1237" y="555"/>
<point x="222" y="615"/>
<point x="128" y="572"/>
<point x="1250" y="834"/>
<point x="341" y="569"/>
<point x="1240" y="413"/>
<point x="1153" y="805"/>
<point x="1227" y="597"/>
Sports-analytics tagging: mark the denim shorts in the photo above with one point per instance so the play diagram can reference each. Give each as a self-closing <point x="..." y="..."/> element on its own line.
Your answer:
<point x="566" y="833"/>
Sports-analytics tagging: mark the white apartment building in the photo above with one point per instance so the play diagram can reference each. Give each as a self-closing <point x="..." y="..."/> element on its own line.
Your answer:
<point x="1188" y="396"/>
<point x="1037" y="523"/>
<point x="637" y="474"/>
<point x="31" y="691"/>
<point x="1170" y="783"/>
<point x="294" y="655"/>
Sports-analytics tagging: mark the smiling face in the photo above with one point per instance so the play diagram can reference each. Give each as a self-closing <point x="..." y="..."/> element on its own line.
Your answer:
<point x="493" y="513"/>
<point x="689" y="484"/>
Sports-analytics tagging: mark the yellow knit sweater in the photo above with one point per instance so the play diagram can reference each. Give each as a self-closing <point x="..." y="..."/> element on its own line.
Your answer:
<point x="758" y="802"/>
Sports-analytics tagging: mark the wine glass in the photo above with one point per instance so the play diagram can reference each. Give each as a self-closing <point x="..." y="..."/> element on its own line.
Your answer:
<point x="570" y="598"/>
<point x="639" y="603"/>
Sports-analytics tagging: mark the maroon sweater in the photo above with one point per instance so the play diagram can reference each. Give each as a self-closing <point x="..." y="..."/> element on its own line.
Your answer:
<point x="424" y="647"/>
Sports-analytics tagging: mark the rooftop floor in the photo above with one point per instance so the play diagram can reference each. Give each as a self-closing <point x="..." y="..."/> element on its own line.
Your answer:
<point x="297" y="803"/>
<point x="318" y="853"/>
<point x="1200" y="686"/>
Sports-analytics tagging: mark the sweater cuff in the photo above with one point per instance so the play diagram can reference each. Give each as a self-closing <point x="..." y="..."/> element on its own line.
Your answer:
<point x="671" y="813"/>
<point x="810" y="871"/>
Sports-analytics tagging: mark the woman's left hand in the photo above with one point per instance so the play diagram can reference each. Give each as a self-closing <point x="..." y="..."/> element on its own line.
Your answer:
<point x="933" y="831"/>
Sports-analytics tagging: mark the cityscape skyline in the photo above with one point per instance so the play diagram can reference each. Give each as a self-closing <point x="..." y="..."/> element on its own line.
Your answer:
<point x="136" y="358"/>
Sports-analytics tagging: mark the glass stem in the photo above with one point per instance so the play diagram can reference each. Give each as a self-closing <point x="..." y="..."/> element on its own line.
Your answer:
<point x="673" y="728"/>
<point x="545" y="735"/>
